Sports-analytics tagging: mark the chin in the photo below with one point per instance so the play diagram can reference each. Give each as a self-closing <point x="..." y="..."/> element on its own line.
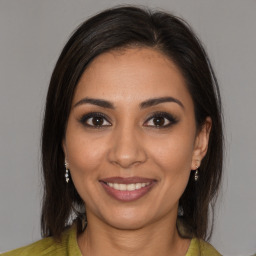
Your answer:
<point x="128" y="219"/>
<point x="124" y="224"/>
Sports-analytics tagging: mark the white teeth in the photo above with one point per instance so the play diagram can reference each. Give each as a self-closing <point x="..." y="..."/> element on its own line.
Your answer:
<point x="110" y="184"/>
<point x="131" y="187"/>
<point x="116" y="186"/>
<point x="138" y="185"/>
<point x="128" y="187"/>
<point x="122" y="187"/>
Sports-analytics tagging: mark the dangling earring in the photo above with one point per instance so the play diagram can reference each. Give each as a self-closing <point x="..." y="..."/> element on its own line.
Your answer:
<point x="180" y="211"/>
<point x="196" y="177"/>
<point x="66" y="174"/>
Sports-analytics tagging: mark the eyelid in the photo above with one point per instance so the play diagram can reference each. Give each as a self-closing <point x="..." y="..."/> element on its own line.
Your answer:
<point x="171" y="118"/>
<point x="86" y="117"/>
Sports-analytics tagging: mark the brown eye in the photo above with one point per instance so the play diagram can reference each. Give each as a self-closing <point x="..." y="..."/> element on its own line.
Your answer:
<point x="95" y="120"/>
<point x="159" y="121"/>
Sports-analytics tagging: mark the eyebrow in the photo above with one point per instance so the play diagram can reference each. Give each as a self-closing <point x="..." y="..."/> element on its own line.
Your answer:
<point x="144" y="104"/>
<point x="155" y="101"/>
<point x="97" y="102"/>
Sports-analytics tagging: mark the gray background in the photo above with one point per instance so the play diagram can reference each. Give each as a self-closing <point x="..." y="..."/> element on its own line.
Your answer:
<point x="32" y="34"/>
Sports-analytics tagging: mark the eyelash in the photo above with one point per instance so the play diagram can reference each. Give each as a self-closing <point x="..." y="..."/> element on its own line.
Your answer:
<point x="170" y="118"/>
<point x="84" y="119"/>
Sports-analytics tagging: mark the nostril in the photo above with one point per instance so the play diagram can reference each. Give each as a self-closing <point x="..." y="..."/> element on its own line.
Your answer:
<point x="125" y="148"/>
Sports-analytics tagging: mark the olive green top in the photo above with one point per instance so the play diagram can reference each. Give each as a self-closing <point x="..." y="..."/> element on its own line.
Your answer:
<point x="69" y="246"/>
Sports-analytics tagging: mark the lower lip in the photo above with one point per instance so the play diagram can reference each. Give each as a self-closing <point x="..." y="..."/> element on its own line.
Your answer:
<point x="127" y="196"/>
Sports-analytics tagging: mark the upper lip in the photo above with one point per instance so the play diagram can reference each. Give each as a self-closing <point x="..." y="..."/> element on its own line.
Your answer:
<point x="127" y="180"/>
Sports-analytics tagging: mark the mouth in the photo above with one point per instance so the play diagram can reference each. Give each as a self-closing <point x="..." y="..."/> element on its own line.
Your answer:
<point x="127" y="189"/>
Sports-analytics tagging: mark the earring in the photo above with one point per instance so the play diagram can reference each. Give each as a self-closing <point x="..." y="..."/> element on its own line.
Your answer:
<point x="196" y="177"/>
<point x="66" y="174"/>
<point x="180" y="211"/>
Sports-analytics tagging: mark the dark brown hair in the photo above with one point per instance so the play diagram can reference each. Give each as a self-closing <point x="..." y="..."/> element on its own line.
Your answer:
<point x="118" y="28"/>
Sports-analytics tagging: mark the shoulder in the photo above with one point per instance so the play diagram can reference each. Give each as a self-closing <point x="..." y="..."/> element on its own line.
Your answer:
<point x="48" y="246"/>
<point x="199" y="247"/>
<point x="41" y="247"/>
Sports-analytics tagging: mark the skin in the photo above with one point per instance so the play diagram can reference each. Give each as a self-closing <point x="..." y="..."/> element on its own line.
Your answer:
<point x="128" y="143"/>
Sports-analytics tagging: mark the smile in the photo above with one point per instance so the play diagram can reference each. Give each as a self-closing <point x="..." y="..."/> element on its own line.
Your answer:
<point x="127" y="189"/>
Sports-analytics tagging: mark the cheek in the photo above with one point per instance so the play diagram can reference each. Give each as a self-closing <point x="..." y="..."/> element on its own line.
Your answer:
<point x="84" y="154"/>
<point x="174" y="153"/>
<point x="173" y="157"/>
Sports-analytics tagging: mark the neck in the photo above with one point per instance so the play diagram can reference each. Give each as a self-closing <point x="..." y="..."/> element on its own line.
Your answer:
<point x="159" y="238"/>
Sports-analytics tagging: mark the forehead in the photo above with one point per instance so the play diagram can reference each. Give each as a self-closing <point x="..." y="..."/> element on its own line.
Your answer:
<point x="130" y="75"/>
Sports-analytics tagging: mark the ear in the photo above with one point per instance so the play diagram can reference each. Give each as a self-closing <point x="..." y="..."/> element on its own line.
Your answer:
<point x="201" y="144"/>
<point x="64" y="148"/>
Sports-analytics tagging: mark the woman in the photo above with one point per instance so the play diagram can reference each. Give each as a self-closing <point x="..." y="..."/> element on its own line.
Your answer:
<point x="132" y="140"/>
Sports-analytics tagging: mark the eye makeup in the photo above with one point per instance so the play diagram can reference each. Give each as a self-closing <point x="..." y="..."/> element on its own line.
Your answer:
<point x="95" y="120"/>
<point x="161" y="120"/>
<point x="157" y="120"/>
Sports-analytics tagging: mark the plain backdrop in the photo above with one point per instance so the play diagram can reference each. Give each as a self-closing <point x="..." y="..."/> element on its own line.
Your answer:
<point x="32" y="34"/>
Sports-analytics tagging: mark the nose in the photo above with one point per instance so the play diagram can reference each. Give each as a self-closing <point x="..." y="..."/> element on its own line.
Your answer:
<point x="127" y="148"/>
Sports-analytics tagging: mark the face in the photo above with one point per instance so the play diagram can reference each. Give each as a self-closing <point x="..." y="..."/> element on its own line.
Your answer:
<point x="131" y="139"/>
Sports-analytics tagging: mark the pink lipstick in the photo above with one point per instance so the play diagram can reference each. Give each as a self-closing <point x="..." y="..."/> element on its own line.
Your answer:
<point x="127" y="189"/>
